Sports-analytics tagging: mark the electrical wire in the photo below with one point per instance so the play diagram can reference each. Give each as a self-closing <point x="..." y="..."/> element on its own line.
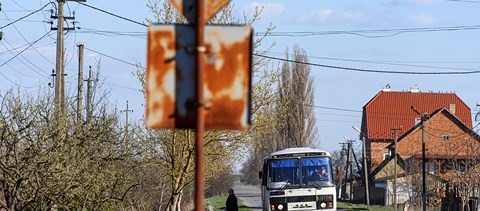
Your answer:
<point x="363" y="33"/>
<point x="25" y="39"/>
<point x="19" y="72"/>
<point x="384" y="62"/>
<point x="19" y="5"/>
<point x="121" y="86"/>
<point x="370" y="70"/>
<point x="17" y="11"/>
<point x="336" y="120"/>
<point x="334" y="108"/>
<point x="118" y="16"/>
<point x="32" y="21"/>
<point x="31" y="44"/>
<point x="113" y="33"/>
<point x="38" y="69"/>
<point x="24" y="16"/>
<point x="111" y="57"/>
<point x="318" y="33"/>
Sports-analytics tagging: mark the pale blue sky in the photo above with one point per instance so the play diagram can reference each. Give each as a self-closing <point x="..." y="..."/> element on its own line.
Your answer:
<point x="423" y="45"/>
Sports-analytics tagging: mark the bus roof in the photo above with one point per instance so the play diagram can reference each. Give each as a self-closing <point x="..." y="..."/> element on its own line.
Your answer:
<point x="298" y="151"/>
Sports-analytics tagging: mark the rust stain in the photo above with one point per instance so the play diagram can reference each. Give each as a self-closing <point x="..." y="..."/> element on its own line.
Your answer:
<point x="227" y="81"/>
<point x="160" y="79"/>
<point x="226" y="114"/>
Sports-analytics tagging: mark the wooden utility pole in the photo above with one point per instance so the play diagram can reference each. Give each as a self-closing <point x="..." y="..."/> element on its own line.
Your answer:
<point x="424" y="117"/>
<point x="59" y="80"/>
<point x="80" y="83"/>
<point x="346" y="167"/>
<point x="89" y="95"/>
<point x="341" y="189"/>
<point x="365" y="168"/>
<point x="126" y="123"/>
<point x="350" y="147"/>
<point x="349" y="163"/>
<point x="424" y="160"/>
<point x="395" y="170"/>
<point x="60" y="57"/>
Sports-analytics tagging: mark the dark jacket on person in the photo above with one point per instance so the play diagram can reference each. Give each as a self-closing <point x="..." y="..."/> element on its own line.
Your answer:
<point x="231" y="204"/>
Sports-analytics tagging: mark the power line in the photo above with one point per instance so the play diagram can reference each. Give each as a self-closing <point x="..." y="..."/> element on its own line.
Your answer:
<point x="25" y="16"/>
<point x="38" y="71"/>
<point x="113" y="33"/>
<point x="370" y="70"/>
<point x="31" y="44"/>
<point x="25" y="39"/>
<point x="319" y="33"/>
<point x="111" y="57"/>
<point x="369" y="31"/>
<point x="334" y="108"/>
<point x="118" y="16"/>
<point x="397" y="63"/>
<point x="33" y="21"/>
<point x="121" y="86"/>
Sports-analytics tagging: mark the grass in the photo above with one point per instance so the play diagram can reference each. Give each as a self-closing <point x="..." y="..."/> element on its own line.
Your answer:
<point x="218" y="203"/>
<point x="348" y="206"/>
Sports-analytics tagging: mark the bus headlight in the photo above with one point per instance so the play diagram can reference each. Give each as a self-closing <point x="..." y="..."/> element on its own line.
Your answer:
<point x="323" y="205"/>
<point x="280" y="207"/>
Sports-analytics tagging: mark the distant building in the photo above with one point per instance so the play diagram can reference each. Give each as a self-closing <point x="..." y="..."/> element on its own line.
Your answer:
<point x="452" y="147"/>
<point x="392" y="109"/>
<point x="452" y="152"/>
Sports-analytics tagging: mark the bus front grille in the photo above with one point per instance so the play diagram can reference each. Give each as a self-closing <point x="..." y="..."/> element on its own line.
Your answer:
<point x="293" y="199"/>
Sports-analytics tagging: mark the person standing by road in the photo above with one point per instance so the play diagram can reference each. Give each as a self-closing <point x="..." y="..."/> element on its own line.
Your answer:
<point x="231" y="204"/>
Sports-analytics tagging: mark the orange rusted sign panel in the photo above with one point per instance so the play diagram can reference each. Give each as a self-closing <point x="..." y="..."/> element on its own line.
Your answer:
<point x="187" y="8"/>
<point x="171" y="84"/>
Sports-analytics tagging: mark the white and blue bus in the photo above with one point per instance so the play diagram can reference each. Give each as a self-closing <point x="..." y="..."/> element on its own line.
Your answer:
<point x="298" y="179"/>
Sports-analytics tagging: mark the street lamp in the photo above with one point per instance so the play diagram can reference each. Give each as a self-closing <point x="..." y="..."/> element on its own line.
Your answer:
<point x="365" y="171"/>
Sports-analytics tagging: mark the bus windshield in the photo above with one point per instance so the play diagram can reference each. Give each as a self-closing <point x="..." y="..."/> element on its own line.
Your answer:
<point x="304" y="172"/>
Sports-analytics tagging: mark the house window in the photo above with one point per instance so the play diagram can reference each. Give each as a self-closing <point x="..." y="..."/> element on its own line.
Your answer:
<point x="452" y="108"/>
<point x="461" y="166"/>
<point x="432" y="168"/>
<point x="446" y="137"/>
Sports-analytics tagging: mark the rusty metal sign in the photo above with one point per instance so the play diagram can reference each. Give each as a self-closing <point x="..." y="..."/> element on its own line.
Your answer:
<point x="171" y="83"/>
<point x="187" y="7"/>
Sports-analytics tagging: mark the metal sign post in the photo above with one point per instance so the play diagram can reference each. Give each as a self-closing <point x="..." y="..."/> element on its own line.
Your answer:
<point x="200" y="106"/>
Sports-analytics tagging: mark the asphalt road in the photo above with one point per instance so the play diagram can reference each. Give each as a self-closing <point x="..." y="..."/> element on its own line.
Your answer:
<point x="249" y="194"/>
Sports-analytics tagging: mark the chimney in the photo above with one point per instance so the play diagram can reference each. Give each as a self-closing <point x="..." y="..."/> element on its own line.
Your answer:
<point x="386" y="88"/>
<point x="414" y="89"/>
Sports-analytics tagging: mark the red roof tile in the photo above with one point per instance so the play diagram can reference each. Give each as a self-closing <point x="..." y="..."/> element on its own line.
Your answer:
<point x="389" y="110"/>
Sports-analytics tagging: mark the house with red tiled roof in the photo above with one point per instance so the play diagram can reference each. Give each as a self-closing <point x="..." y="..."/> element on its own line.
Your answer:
<point x="452" y="152"/>
<point x="389" y="109"/>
